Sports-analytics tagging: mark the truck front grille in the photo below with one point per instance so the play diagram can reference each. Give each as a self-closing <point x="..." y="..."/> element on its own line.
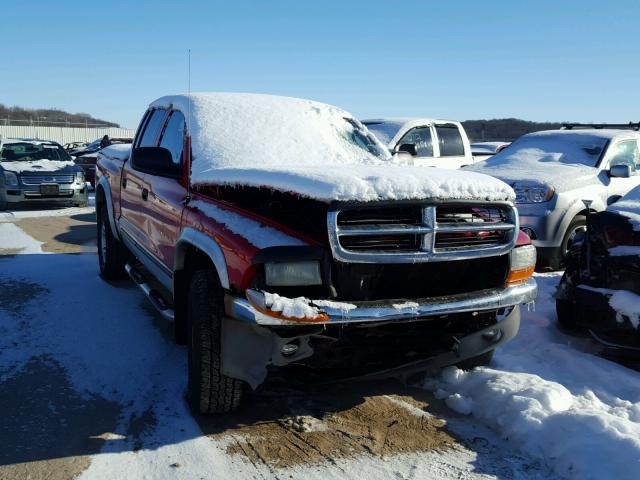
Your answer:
<point x="421" y="232"/>
<point x="39" y="179"/>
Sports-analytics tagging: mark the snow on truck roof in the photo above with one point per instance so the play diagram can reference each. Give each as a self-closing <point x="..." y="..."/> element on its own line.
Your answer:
<point x="309" y="148"/>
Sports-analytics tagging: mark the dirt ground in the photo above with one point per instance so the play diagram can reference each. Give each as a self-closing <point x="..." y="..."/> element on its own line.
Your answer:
<point x="50" y="434"/>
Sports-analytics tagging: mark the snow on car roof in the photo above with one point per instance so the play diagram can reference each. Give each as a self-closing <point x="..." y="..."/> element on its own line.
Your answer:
<point x="310" y="148"/>
<point x="26" y="140"/>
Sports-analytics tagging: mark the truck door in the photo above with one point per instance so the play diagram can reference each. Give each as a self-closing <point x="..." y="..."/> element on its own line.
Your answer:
<point x="134" y="189"/>
<point x="452" y="152"/>
<point x="422" y="138"/>
<point x="624" y="152"/>
<point x="167" y="193"/>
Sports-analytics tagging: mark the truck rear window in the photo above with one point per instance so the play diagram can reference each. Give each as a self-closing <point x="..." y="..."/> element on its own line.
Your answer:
<point x="450" y="141"/>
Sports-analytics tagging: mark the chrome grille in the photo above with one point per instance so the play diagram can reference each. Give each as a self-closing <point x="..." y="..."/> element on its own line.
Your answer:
<point x="421" y="233"/>
<point x="39" y="179"/>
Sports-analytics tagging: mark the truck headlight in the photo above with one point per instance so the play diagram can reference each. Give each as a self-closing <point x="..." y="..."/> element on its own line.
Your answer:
<point x="533" y="192"/>
<point x="10" y="179"/>
<point x="522" y="264"/>
<point x="80" y="177"/>
<point x="291" y="274"/>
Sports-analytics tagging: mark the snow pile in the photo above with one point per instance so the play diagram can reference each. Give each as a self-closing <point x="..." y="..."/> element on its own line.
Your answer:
<point x="36" y="166"/>
<point x="578" y="413"/>
<point x="14" y="238"/>
<point x="625" y="303"/>
<point x="343" y="306"/>
<point x="117" y="151"/>
<point x="299" y="307"/>
<point x="629" y="206"/>
<point x="254" y="232"/>
<point x="309" y="148"/>
<point x="560" y="158"/>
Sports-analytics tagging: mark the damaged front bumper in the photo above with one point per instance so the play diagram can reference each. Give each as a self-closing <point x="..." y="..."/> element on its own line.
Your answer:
<point x="394" y="310"/>
<point x="253" y="340"/>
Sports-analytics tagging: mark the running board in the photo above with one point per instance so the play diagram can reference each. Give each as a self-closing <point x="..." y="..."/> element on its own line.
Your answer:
<point x="153" y="295"/>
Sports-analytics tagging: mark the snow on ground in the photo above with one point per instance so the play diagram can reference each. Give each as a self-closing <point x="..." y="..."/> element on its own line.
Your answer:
<point x="576" y="412"/>
<point x="546" y="408"/>
<point x="13" y="238"/>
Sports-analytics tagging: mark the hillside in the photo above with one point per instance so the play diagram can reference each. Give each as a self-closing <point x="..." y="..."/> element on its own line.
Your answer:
<point x="503" y="128"/>
<point x="49" y="117"/>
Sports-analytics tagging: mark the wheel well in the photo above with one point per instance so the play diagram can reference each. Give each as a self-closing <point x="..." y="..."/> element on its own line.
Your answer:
<point x="100" y="199"/>
<point x="194" y="260"/>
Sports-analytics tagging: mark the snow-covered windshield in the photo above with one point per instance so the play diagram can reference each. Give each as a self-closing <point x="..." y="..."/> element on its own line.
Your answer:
<point x="385" y="131"/>
<point x="565" y="147"/>
<point x="26" y="152"/>
<point x="361" y="137"/>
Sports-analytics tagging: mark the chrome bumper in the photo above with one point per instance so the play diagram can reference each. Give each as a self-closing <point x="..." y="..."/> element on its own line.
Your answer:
<point x="397" y="310"/>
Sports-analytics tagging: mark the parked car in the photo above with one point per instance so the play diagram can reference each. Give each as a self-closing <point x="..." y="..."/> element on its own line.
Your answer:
<point x="484" y="150"/>
<point x="600" y="289"/>
<point x="74" y="145"/>
<point x="280" y="233"/>
<point x="552" y="173"/>
<point x="432" y="143"/>
<point x="36" y="171"/>
<point x="87" y="160"/>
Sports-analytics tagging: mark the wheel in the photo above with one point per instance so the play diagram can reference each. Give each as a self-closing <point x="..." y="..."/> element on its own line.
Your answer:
<point x="576" y="228"/>
<point x="479" y="361"/>
<point x="209" y="391"/>
<point x="112" y="255"/>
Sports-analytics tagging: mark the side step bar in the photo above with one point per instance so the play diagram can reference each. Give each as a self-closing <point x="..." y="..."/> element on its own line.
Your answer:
<point x="153" y="295"/>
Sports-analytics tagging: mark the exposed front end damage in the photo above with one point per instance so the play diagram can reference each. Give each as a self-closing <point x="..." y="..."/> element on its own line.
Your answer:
<point x="397" y="289"/>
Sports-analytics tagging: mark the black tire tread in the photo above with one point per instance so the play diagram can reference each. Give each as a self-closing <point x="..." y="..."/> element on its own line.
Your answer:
<point x="112" y="267"/>
<point x="210" y="390"/>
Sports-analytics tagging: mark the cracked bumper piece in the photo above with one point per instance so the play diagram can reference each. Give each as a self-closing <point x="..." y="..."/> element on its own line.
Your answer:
<point x="385" y="311"/>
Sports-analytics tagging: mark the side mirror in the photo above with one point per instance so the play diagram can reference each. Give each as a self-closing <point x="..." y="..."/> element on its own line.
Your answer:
<point x="620" y="171"/>
<point x="156" y="161"/>
<point x="409" y="148"/>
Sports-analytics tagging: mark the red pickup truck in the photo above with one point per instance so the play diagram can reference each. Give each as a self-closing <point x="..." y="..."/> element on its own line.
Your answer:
<point x="279" y="233"/>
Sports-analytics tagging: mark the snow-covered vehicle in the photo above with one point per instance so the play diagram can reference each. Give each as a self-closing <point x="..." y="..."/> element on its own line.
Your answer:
<point x="280" y="232"/>
<point x="430" y="142"/>
<point x="38" y="171"/>
<point x="554" y="172"/>
<point x="600" y="289"/>
<point x="484" y="150"/>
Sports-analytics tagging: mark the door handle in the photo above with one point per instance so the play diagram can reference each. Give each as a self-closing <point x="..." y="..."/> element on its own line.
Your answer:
<point x="145" y="194"/>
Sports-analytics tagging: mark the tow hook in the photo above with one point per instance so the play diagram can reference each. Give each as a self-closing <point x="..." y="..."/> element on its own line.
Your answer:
<point x="493" y="335"/>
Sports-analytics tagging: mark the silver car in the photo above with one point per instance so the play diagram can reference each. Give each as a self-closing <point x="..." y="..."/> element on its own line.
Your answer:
<point x="560" y="175"/>
<point x="35" y="171"/>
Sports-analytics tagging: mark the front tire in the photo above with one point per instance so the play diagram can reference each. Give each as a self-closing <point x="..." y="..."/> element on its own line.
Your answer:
<point x="210" y="391"/>
<point x="112" y="255"/>
<point x="577" y="225"/>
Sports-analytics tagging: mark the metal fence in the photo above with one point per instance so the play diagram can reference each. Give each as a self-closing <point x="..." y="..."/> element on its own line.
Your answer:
<point x="62" y="135"/>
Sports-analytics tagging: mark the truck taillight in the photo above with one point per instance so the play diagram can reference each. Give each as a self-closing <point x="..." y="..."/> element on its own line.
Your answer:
<point x="522" y="264"/>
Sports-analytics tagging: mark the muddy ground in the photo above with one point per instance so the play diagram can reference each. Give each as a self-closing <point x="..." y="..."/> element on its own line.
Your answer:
<point x="49" y="431"/>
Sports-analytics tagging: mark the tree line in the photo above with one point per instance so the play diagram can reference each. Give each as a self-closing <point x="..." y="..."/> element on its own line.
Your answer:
<point x="506" y="129"/>
<point x="48" y="117"/>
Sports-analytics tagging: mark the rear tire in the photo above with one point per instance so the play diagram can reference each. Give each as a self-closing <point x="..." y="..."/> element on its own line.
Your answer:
<point x="112" y="255"/>
<point x="481" y="360"/>
<point x="210" y="391"/>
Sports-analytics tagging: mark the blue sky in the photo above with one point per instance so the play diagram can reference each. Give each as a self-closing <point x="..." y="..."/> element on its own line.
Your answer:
<point x="536" y="60"/>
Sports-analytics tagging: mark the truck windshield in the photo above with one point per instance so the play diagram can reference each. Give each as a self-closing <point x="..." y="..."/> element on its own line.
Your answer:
<point x="358" y="134"/>
<point x="26" y="152"/>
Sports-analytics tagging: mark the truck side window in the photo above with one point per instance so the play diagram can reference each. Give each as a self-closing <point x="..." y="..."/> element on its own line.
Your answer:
<point x="450" y="141"/>
<point x="173" y="136"/>
<point x="152" y="129"/>
<point x="626" y="153"/>
<point x="421" y="138"/>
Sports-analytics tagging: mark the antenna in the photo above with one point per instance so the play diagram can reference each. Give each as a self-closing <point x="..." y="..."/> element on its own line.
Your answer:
<point x="188" y="142"/>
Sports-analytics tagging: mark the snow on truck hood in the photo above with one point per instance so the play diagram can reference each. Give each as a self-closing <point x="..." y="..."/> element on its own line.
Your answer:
<point x="309" y="148"/>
